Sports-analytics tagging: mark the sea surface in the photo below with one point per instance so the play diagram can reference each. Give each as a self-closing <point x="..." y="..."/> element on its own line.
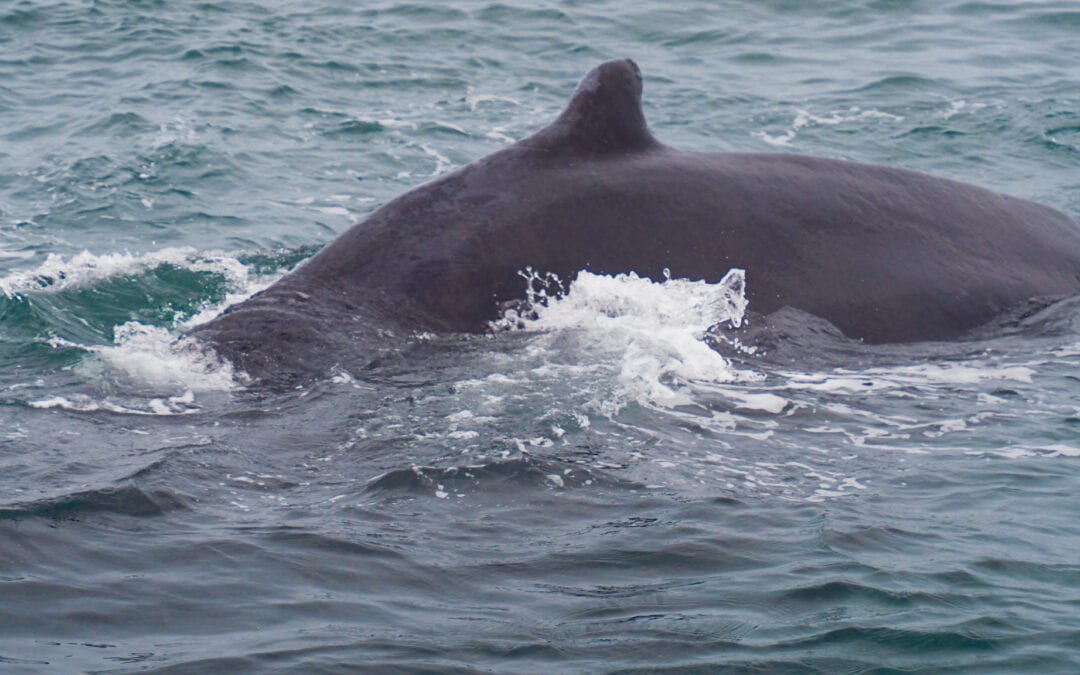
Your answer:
<point x="596" y="492"/>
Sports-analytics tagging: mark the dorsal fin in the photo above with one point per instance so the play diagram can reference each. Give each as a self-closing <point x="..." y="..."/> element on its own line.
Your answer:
<point x="604" y="114"/>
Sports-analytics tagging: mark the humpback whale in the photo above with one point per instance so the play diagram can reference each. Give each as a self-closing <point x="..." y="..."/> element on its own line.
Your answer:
<point x="883" y="254"/>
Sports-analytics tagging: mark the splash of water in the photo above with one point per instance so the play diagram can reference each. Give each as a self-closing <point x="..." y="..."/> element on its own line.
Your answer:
<point x="148" y="354"/>
<point x="653" y="331"/>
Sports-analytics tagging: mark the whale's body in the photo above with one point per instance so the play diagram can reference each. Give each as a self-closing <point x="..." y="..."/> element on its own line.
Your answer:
<point x="886" y="255"/>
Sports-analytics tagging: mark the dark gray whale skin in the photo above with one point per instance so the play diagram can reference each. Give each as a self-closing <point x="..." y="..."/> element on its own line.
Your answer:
<point x="884" y="254"/>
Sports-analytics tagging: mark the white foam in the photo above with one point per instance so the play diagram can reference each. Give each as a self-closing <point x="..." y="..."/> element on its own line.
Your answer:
<point x="333" y="210"/>
<point x="764" y="402"/>
<point x="653" y="332"/>
<point x="960" y="105"/>
<point x="500" y="134"/>
<point x="473" y="100"/>
<point x="154" y="355"/>
<point x="804" y="119"/>
<point x="59" y="272"/>
<point x="1060" y="450"/>
<point x="843" y="381"/>
<point x="182" y="404"/>
<point x="149" y="354"/>
<point x="442" y="162"/>
<point x="177" y="130"/>
<point x="390" y="122"/>
<point x="451" y="126"/>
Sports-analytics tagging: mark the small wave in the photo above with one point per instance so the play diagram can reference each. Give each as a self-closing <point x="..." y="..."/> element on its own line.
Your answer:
<point x="901" y="83"/>
<point x="116" y="123"/>
<point x="143" y="351"/>
<point x="306" y="541"/>
<point x="882" y="638"/>
<point x="355" y="127"/>
<point x="126" y="500"/>
<point x="474" y="100"/>
<point x="24" y="255"/>
<point x="1060" y="20"/>
<point x="497" y="477"/>
<point x="59" y="272"/>
<point x="833" y="592"/>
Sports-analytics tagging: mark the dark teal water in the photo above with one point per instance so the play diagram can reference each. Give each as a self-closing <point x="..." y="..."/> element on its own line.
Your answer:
<point x="596" y="496"/>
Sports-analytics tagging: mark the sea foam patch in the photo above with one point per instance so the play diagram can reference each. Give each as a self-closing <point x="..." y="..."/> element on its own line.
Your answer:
<point x="155" y="355"/>
<point x="860" y="382"/>
<point x="652" y="331"/>
<point x="58" y="272"/>
<point x="150" y="354"/>
<point x="804" y="119"/>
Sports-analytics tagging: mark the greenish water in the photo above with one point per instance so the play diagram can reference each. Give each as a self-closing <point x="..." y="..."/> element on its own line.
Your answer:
<point x="589" y="497"/>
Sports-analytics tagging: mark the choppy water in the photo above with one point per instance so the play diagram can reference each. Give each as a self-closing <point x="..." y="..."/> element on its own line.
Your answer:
<point x="596" y="493"/>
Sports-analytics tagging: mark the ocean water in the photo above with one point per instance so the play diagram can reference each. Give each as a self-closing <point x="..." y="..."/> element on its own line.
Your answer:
<point x="599" y="491"/>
